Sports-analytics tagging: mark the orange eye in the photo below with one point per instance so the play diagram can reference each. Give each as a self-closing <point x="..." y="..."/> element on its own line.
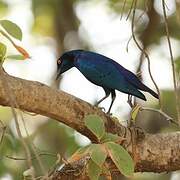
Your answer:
<point x="59" y="61"/>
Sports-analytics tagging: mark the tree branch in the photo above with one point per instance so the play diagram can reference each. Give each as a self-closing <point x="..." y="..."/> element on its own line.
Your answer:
<point x="155" y="153"/>
<point x="152" y="153"/>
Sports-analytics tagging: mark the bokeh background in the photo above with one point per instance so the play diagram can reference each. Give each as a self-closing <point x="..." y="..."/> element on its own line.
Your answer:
<point x="51" y="27"/>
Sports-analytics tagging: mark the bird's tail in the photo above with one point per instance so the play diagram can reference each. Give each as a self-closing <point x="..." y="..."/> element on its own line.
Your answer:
<point x="143" y="87"/>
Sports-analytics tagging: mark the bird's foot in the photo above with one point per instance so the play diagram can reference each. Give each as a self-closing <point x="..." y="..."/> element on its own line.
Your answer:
<point x="96" y="105"/>
<point x="129" y="101"/>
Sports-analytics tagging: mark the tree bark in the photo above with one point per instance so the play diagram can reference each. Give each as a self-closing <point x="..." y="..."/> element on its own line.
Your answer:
<point x="151" y="152"/>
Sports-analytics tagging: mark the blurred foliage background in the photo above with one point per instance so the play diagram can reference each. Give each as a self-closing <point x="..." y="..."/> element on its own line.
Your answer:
<point x="51" y="27"/>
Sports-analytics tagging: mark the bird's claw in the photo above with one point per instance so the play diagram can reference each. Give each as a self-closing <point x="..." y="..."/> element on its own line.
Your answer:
<point x="104" y="110"/>
<point x="109" y="114"/>
<point x="101" y="108"/>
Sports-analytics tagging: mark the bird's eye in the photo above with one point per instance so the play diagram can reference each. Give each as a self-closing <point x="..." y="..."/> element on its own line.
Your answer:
<point x="59" y="61"/>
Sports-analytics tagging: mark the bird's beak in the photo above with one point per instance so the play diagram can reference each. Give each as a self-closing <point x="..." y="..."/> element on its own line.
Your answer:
<point x="58" y="73"/>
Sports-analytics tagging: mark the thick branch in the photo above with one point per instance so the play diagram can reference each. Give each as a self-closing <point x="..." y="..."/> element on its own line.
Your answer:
<point x="36" y="97"/>
<point x="156" y="153"/>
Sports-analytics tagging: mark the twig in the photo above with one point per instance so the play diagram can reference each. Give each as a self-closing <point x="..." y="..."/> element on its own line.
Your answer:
<point x="149" y="6"/>
<point x="127" y="45"/>
<point x="130" y="10"/>
<point x="140" y="16"/>
<point x="3" y="127"/>
<point x="144" y="52"/>
<point x="57" y="163"/>
<point x="32" y="158"/>
<point x="32" y="144"/>
<point x="122" y="11"/>
<point x="168" y="118"/>
<point x="172" y="62"/>
<point x="14" y="104"/>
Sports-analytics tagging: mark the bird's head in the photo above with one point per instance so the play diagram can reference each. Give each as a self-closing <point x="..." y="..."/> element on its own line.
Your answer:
<point x="66" y="62"/>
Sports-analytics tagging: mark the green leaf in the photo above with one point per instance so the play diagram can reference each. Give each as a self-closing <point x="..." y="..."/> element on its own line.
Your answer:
<point x="121" y="158"/>
<point x="2" y="51"/>
<point x="110" y="137"/>
<point x="12" y="28"/>
<point x="98" y="153"/>
<point x="94" y="170"/>
<point x="82" y="150"/>
<point x="15" y="57"/>
<point x="95" y="124"/>
<point x="135" y="112"/>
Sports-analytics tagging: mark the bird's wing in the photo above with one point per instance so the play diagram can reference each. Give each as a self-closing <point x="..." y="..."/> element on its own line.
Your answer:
<point x="101" y="71"/>
<point x="134" y="80"/>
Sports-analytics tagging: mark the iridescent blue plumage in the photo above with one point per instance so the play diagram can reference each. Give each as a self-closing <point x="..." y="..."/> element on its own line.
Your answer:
<point x="103" y="72"/>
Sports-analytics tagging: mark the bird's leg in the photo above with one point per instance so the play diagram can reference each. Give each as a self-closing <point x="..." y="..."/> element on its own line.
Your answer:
<point x="129" y="101"/>
<point x="107" y="92"/>
<point x="101" y="99"/>
<point x="113" y="96"/>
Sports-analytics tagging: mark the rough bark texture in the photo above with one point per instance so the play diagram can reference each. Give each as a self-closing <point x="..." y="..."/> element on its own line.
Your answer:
<point x="151" y="153"/>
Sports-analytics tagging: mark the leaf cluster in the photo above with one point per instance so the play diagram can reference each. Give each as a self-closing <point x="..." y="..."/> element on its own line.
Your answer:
<point x="108" y="147"/>
<point x="8" y="30"/>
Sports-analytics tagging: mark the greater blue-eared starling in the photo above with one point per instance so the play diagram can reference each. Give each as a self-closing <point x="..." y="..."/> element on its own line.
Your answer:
<point x="103" y="72"/>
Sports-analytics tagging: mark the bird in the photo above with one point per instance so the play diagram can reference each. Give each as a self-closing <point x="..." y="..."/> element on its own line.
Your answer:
<point x="104" y="72"/>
